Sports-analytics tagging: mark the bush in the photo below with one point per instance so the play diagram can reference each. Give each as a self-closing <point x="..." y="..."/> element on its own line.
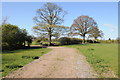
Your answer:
<point x="45" y="44"/>
<point x="13" y="37"/>
<point x="68" y="41"/>
<point x="65" y="41"/>
<point x="91" y="41"/>
<point x="76" y="41"/>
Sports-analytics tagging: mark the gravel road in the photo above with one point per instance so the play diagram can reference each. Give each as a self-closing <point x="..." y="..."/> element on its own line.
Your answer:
<point x="61" y="62"/>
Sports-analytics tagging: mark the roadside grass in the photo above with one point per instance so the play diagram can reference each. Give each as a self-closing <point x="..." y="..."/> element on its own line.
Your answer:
<point x="12" y="60"/>
<point x="101" y="56"/>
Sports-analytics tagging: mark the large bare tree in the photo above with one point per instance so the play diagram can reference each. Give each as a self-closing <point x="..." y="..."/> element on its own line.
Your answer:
<point x="82" y="26"/>
<point x="48" y="19"/>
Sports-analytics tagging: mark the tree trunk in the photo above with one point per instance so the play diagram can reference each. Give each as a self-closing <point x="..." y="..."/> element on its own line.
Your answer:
<point x="83" y="40"/>
<point x="49" y="38"/>
<point x="95" y="39"/>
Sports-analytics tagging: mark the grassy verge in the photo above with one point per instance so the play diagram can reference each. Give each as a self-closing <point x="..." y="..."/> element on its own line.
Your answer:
<point x="13" y="60"/>
<point x="102" y="56"/>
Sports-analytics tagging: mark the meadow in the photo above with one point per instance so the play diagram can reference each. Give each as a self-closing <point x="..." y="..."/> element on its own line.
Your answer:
<point x="12" y="60"/>
<point x="103" y="57"/>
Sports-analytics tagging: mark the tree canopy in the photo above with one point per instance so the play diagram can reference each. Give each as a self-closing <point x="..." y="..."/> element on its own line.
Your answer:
<point x="83" y="25"/>
<point x="49" y="18"/>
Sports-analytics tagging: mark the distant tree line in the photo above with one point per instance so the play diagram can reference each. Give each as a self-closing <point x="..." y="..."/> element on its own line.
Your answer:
<point x="14" y="38"/>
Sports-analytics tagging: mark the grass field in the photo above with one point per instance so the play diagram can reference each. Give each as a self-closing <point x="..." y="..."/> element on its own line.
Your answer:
<point x="102" y="56"/>
<point x="13" y="60"/>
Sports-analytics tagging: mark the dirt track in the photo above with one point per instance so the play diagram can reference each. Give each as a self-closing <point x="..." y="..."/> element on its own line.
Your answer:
<point x="61" y="62"/>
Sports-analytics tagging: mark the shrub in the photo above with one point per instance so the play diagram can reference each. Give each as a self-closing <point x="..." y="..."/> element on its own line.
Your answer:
<point x="65" y="41"/>
<point x="68" y="41"/>
<point x="45" y="44"/>
<point x="13" y="37"/>
<point x="76" y="41"/>
<point x="91" y="41"/>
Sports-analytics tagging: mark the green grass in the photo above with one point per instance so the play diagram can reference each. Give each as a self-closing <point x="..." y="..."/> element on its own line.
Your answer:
<point x="102" y="56"/>
<point x="13" y="60"/>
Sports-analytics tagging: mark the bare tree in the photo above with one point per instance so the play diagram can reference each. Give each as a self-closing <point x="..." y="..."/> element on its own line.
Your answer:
<point x="82" y="26"/>
<point x="48" y="18"/>
<point x="95" y="33"/>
